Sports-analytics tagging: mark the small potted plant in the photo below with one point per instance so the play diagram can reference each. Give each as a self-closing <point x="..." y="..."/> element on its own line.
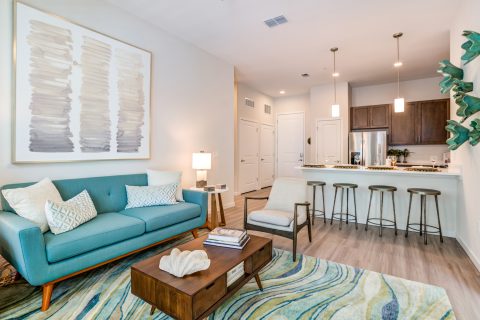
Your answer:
<point x="406" y="153"/>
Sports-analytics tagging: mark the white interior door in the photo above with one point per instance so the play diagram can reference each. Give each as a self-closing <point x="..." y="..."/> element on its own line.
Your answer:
<point x="248" y="151"/>
<point x="329" y="141"/>
<point x="290" y="144"/>
<point x="267" y="155"/>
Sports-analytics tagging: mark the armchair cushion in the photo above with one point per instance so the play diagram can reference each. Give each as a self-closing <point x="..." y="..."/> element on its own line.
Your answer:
<point x="285" y="193"/>
<point x="276" y="218"/>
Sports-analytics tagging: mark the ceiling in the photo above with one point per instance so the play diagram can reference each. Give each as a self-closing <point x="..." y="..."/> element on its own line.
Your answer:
<point x="273" y="59"/>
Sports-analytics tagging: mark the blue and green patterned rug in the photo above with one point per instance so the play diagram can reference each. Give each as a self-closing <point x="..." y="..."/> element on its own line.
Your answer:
<point x="311" y="288"/>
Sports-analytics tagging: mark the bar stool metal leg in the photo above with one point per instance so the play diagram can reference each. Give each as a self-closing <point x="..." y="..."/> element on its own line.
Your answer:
<point x="425" y="219"/>
<point x="421" y="215"/>
<point x="381" y="212"/>
<point x="438" y="218"/>
<point x="346" y="217"/>
<point x="369" y="206"/>
<point x="313" y="207"/>
<point x="408" y="216"/>
<point x="333" y="209"/>
<point x="394" y="214"/>
<point x="324" y="212"/>
<point x="355" y="208"/>
<point x="341" y="209"/>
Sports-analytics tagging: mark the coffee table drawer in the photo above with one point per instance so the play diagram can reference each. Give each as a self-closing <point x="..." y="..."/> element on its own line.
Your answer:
<point x="207" y="297"/>
<point x="262" y="256"/>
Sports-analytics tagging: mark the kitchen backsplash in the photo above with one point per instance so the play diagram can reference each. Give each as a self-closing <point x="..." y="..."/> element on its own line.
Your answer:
<point x="422" y="154"/>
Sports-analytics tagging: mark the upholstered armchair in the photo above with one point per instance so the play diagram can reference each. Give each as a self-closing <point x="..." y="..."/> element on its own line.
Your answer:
<point x="285" y="213"/>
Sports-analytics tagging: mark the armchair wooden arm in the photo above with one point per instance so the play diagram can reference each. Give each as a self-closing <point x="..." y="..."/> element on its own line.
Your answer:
<point x="295" y="215"/>
<point x="245" y="210"/>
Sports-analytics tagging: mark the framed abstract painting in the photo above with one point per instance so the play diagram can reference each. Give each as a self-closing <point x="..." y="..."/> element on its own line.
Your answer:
<point x="79" y="94"/>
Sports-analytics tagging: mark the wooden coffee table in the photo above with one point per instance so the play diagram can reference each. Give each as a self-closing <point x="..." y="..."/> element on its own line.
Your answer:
<point x="197" y="295"/>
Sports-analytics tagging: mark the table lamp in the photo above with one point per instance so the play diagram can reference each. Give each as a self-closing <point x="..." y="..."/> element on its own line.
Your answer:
<point x="201" y="161"/>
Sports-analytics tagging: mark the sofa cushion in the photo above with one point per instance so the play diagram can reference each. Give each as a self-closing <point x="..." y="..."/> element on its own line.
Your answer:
<point x="163" y="216"/>
<point x="105" y="229"/>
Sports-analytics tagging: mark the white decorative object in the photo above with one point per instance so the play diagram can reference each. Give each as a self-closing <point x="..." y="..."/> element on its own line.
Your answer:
<point x="68" y="215"/>
<point x="160" y="178"/>
<point x="80" y="95"/>
<point x="182" y="263"/>
<point x="29" y="202"/>
<point x="147" y="196"/>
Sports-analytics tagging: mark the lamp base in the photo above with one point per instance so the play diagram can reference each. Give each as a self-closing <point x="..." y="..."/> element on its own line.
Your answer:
<point x="201" y="183"/>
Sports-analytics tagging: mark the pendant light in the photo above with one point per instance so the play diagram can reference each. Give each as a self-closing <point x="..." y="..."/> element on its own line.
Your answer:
<point x="335" y="74"/>
<point x="399" y="103"/>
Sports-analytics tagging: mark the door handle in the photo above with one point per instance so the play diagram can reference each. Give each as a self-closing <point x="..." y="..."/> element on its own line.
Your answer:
<point x="262" y="159"/>
<point x="242" y="160"/>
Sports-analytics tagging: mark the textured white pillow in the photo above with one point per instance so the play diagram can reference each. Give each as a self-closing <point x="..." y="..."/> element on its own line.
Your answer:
<point x="160" y="178"/>
<point x="66" y="216"/>
<point x="29" y="202"/>
<point x="151" y="195"/>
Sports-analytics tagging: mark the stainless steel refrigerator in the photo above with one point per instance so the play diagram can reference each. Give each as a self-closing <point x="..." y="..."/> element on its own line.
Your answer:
<point x="369" y="148"/>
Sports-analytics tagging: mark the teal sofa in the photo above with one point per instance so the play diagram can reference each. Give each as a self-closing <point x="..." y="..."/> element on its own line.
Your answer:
<point x="44" y="259"/>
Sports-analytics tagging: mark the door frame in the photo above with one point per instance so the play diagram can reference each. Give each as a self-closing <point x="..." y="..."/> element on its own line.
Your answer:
<point x="276" y="135"/>
<point x="260" y="147"/>
<point x="316" y="136"/>
<point x="240" y="191"/>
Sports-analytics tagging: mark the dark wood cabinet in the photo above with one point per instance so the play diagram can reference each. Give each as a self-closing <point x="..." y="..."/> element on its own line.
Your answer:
<point x="422" y="123"/>
<point x="369" y="117"/>
<point x="402" y="127"/>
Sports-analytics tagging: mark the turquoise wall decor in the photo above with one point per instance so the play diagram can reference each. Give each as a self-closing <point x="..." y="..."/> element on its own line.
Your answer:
<point x="467" y="105"/>
<point x="472" y="46"/>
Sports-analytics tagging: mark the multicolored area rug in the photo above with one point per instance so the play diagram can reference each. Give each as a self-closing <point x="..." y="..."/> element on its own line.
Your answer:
<point x="308" y="289"/>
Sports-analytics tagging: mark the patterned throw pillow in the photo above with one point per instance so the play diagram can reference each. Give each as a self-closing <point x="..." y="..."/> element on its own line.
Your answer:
<point x="66" y="216"/>
<point x="151" y="195"/>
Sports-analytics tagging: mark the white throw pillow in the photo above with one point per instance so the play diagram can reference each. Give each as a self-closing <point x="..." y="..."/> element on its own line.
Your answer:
<point x="66" y="216"/>
<point x="29" y="202"/>
<point x="160" y="178"/>
<point x="151" y="195"/>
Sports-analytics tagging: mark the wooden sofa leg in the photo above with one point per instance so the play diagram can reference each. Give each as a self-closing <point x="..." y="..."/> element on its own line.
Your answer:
<point x="195" y="233"/>
<point x="47" y="295"/>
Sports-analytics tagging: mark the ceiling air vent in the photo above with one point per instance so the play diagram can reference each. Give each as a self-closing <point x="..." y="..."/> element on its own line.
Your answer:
<point x="276" y="21"/>
<point x="249" y="103"/>
<point x="267" y="109"/>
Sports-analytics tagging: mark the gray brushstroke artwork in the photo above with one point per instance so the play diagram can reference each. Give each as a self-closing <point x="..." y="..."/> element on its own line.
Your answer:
<point x="51" y="66"/>
<point x="95" y="121"/>
<point x="131" y="101"/>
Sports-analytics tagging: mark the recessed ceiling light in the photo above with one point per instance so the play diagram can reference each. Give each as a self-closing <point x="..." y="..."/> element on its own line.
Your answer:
<point x="335" y="74"/>
<point x="398" y="64"/>
<point x="282" y="92"/>
<point x="305" y="75"/>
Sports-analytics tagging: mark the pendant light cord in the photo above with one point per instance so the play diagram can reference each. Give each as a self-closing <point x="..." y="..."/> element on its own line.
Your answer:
<point x="398" y="67"/>
<point x="334" y="50"/>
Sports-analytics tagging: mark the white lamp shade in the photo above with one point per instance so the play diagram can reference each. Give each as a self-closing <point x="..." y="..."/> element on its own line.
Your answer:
<point x="399" y="105"/>
<point x="335" y="110"/>
<point x="201" y="161"/>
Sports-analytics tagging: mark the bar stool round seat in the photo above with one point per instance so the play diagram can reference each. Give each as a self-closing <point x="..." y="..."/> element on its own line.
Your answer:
<point x="345" y="185"/>
<point x="316" y="184"/>
<point x="424" y="192"/>
<point x="348" y="216"/>
<point x="423" y="227"/>
<point x="380" y="221"/>
<point x="382" y="188"/>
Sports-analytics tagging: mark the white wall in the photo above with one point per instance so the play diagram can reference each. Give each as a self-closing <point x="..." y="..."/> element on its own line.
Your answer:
<point x="468" y="157"/>
<point x="321" y="100"/>
<point x="413" y="90"/>
<point x="192" y="99"/>
<point x="292" y="104"/>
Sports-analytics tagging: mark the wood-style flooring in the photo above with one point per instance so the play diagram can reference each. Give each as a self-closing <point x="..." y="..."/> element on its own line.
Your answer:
<point x="441" y="264"/>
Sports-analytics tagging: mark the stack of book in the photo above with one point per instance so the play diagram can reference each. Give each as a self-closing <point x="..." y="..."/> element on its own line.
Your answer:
<point x="227" y="237"/>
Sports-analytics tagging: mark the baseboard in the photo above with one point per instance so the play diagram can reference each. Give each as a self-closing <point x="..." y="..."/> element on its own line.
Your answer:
<point x="471" y="255"/>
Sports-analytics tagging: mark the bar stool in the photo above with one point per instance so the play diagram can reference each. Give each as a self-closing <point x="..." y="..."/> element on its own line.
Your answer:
<point x="316" y="184"/>
<point x="343" y="187"/>
<point x="423" y="193"/>
<point x="392" y="223"/>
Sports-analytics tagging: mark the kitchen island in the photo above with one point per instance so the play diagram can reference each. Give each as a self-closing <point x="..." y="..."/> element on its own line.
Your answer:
<point x="445" y="180"/>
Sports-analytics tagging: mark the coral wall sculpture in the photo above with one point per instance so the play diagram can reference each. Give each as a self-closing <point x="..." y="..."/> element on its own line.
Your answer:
<point x="468" y="105"/>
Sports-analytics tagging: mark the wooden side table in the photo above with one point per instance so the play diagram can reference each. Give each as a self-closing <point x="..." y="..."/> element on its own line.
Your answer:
<point x="215" y="207"/>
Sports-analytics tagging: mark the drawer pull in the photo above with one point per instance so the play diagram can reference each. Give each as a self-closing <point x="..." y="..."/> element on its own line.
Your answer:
<point x="210" y="285"/>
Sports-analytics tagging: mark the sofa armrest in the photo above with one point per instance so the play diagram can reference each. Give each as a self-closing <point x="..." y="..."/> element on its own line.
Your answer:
<point x="198" y="197"/>
<point x="22" y="244"/>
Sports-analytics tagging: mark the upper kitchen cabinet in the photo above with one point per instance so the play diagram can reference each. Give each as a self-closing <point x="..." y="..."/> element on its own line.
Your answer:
<point x="422" y="122"/>
<point x="369" y="117"/>
<point x="431" y="119"/>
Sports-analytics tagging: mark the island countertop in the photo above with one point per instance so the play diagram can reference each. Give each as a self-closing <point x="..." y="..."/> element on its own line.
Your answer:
<point x="397" y="171"/>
